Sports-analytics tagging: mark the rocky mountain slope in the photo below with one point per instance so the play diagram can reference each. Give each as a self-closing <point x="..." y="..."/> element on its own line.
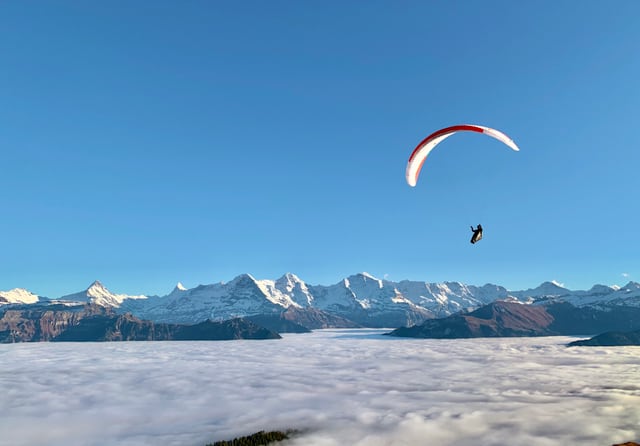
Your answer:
<point x="493" y="320"/>
<point x="503" y="318"/>
<point x="92" y="322"/>
<point x="34" y="323"/>
<point x="300" y="320"/>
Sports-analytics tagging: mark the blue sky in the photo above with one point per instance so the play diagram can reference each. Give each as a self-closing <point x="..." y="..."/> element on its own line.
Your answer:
<point x="145" y="143"/>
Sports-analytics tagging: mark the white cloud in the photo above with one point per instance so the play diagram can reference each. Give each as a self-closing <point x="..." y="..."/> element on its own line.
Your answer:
<point x="625" y="275"/>
<point x="342" y="387"/>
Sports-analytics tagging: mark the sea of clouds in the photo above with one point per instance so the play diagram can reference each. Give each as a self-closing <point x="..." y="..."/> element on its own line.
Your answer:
<point x="338" y="387"/>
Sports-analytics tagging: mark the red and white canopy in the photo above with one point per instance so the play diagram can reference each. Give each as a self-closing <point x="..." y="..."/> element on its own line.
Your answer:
<point x="416" y="160"/>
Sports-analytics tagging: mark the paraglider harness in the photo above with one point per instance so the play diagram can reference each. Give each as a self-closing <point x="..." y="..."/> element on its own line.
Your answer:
<point x="477" y="234"/>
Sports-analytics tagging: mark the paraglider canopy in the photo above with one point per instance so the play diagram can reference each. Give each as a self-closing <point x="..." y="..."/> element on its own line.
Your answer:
<point x="419" y="154"/>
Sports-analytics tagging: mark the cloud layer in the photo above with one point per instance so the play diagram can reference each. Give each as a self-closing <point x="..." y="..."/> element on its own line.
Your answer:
<point x="338" y="386"/>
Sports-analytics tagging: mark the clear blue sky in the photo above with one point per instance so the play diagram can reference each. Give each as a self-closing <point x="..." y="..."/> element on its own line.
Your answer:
<point x="145" y="143"/>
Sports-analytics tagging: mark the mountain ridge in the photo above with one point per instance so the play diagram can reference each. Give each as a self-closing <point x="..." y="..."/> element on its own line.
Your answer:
<point x="361" y="298"/>
<point x="95" y="323"/>
<point x="507" y="319"/>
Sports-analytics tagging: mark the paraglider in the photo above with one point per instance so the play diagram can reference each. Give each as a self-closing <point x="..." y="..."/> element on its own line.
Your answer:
<point x="477" y="234"/>
<point x="419" y="154"/>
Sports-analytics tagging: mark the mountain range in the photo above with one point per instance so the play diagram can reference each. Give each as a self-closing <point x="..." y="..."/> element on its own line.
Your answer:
<point x="358" y="300"/>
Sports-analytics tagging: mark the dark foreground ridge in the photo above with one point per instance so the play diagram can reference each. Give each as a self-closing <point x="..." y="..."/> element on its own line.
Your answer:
<point x="610" y="339"/>
<point x="257" y="439"/>
<point x="301" y="320"/>
<point x="503" y="319"/>
<point x="92" y="323"/>
<point x="493" y="320"/>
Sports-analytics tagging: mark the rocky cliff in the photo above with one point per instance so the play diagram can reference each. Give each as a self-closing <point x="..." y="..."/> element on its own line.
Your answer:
<point x="96" y="323"/>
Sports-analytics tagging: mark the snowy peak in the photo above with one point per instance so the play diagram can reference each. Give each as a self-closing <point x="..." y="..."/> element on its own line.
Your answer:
<point x="363" y="281"/>
<point x="293" y="287"/>
<point x="242" y="296"/>
<point x="630" y="287"/>
<point x="446" y="298"/>
<point x="630" y="293"/>
<point x="98" y="294"/>
<point x="98" y="290"/>
<point x="598" y="295"/>
<point x="551" y="288"/>
<point x="490" y="292"/>
<point x="546" y="289"/>
<point x="18" y="296"/>
<point x="243" y="280"/>
<point x="601" y="289"/>
<point x="178" y="289"/>
<point x="289" y="282"/>
<point x="367" y="292"/>
<point x="289" y="278"/>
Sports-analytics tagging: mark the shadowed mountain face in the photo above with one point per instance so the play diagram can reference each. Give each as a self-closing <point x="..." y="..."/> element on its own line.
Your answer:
<point x="514" y="319"/>
<point x="313" y="318"/>
<point x="275" y="322"/>
<point x="589" y="320"/>
<point x="493" y="320"/>
<point x="301" y="320"/>
<point x="218" y="331"/>
<point x="112" y="328"/>
<point x="129" y="328"/>
<point x="34" y="323"/>
<point x="610" y="339"/>
<point x="96" y="323"/>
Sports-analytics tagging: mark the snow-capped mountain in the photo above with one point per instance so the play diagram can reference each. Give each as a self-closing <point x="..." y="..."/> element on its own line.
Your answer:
<point x="369" y="301"/>
<point x="598" y="295"/>
<point x="545" y="290"/>
<point x="602" y="295"/>
<point x="179" y="287"/>
<point x="361" y="298"/>
<point x="99" y="295"/>
<point x="443" y="299"/>
<point x="292" y="286"/>
<point x="18" y="296"/>
<point x="243" y="296"/>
